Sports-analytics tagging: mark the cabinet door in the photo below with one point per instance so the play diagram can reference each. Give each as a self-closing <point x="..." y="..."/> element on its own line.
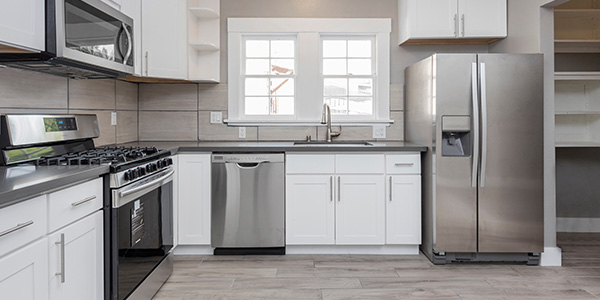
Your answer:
<point x="309" y="212"/>
<point x="433" y="18"/>
<point x="360" y="210"/>
<point x="164" y="39"/>
<point x="22" y="24"/>
<point x="24" y="273"/>
<point x="482" y="18"/>
<point x="76" y="254"/>
<point x="133" y="9"/>
<point x="194" y="199"/>
<point x="403" y="210"/>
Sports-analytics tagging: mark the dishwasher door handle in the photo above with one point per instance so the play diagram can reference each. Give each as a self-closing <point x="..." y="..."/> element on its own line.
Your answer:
<point x="247" y="165"/>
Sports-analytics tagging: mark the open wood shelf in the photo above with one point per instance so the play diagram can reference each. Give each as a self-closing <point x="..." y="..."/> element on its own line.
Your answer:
<point x="204" y="46"/>
<point x="577" y="46"/>
<point x="204" y="13"/>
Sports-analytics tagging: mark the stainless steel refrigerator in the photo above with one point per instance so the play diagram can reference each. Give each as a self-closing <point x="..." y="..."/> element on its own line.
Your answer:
<point x="481" y="115"/>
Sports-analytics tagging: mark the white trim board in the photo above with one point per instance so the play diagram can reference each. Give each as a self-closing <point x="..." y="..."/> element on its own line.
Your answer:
<point x="578" y="224"/>
<point x="551" y="257"/>
<point x="366" y="249"/>
<point x="338" y="25"/>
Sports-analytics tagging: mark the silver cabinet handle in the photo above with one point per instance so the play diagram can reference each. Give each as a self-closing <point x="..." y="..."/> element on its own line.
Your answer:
<point x="16" y="228"/>
<point x="462" y="19"/>
<point x="404" y="164"/>
<point x="483" y="123"/>
<point x="88" y="199"/>
<point x="474" y="96"/>
<point x="146" y="63"/>
<point x="62" y="258"/>
<point x="391" y="188"/>
<point x="338" y="190"/>
<point x="330" y="188"/>
<point x="456" y="25"/>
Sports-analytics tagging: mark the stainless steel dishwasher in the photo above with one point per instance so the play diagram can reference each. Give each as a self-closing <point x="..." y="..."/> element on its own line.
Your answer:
<point x="248" y="198"/>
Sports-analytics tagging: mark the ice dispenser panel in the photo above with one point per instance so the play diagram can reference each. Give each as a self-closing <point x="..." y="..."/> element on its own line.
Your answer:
<point x="456" y="136"/>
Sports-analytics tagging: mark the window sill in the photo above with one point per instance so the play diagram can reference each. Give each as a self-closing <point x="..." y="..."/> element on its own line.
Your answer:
<point x="280" y="123"/>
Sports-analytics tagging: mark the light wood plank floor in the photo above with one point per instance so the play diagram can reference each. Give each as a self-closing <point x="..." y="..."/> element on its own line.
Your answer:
<point x="333" y="277"/>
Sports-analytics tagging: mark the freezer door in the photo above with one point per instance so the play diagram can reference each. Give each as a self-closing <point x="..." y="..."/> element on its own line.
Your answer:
<point x="455" y="196"/>
<point x="511" y="171"/>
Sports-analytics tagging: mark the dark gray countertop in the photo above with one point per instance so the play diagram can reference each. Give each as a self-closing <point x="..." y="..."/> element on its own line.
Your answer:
<point x="19" y="183"/>
<point x="182" y="147"/>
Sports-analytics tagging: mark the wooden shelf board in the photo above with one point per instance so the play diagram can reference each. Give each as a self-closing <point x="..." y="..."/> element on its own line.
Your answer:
<point x="577" y="46"/>
<point x="576" y="75"/>
<point x="583" y="112"/>
<point x="577" y="144"/>
<point x="204" y="13"/>
<point x="204" y="46"/>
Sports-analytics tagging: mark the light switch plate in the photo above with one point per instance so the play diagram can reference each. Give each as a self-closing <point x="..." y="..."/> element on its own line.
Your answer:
<point x="242" y="132"/>
<point x="113" y="118"/>
<point x="216" y="117"/>
<point x="379" y="131"/>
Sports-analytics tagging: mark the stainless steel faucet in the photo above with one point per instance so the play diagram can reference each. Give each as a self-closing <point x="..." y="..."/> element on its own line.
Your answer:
<point x="326" y="119"/>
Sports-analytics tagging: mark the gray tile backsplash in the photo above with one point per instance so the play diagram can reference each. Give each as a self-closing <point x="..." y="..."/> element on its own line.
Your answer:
<point x="168" y="125"/>
<point x="127" y="96"/>
<point x="92" y="94"/>
<point x="169" y="97"/>
<point x="221" y="132"/>
<point x="23" y="89"/>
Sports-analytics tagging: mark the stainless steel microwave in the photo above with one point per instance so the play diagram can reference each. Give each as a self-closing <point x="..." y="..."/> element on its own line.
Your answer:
<point x="84" y="39"/>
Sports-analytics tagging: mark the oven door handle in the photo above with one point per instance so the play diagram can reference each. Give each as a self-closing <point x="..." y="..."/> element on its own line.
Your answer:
<point x="123" y="195"/>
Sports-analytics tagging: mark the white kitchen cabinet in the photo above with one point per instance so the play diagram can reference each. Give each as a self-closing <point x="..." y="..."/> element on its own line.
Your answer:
<point x="24" y="273"/>
<point x="22" y="25"/>
<point x="451" y="21"/>
<point x="194" y="199"/>
<point x="360" y="210"/>
<point x="76" y="260"/>
<point x="310" y="210"/>
<point x="403" y="210"/>
<point x="164" y="39"/>
<point x="133" y="9"/>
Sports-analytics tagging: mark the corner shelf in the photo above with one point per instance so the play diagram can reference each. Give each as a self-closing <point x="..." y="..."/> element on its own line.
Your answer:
<point x="204" y="46"/>
<point x="577" y="46"/>
<point x="204" y="13"/>
<point x="576" y="75"/>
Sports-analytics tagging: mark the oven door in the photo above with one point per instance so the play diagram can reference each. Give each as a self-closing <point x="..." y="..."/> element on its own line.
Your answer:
<point x="141" y="231"/>
<point x="92" y="32"/>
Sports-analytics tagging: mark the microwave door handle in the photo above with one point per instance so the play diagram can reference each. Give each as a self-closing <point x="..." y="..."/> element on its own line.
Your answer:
<point x="130" y="44"/>
<point x="474" y="96"/>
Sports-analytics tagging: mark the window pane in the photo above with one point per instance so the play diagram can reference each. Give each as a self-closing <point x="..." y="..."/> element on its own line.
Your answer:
<point x="257" y="67"/>
<point x="337" y="105"/>
<point x="334" y="67"/>
<point x="334" y="48"/>
<point x="360" y="106"/>
<point x="282" y="66"/>
<point x="359" y="67"/>
<point x="257" y="48"/>
<point x="282" y="106"/>
<point x="257" y="87"/>
<point x="282" y="48"/>
<point x="282" y="87"/>
<point x="257" y="106"/>
<point x="335" y="87"/>
<point x="359" y="48"/>
<point x="361" y="86"/>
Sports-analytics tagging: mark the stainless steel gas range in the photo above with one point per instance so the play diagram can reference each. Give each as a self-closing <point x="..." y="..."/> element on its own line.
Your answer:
<point x="138" y="194"/>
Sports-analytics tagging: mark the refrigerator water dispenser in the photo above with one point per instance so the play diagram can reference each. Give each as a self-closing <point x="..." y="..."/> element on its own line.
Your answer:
<point x="456" y="136"/>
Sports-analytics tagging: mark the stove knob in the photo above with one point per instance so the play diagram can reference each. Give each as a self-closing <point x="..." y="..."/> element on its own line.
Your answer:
<point x="142" y="171"/>
<point x="127" y="175"/>
<point x="148" y="168"/>
<point x="165" y="162"/>
<point x="169" y="161"/>
<point x="153" y="166"/>
<point x="134" y="174"/>
<point x="161" y="164"/>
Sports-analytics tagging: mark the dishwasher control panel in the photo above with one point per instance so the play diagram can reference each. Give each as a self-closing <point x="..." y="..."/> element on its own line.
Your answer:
<point x="247" y="158"/>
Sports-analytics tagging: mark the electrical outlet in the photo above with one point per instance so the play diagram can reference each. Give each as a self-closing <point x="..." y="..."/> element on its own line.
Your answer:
<point x="379" y="131"/>
<point x="242" y="132"/>
<point x="216" y="117"/>
<point x="113" y="118"/>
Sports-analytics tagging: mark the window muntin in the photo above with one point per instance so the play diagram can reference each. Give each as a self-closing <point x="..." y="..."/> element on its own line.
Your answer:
<point x="348" y="74"/>
<point x="269" y="76"/>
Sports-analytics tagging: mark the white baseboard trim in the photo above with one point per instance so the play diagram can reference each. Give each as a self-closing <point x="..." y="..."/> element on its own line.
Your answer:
<point x="578" y="224"/>
<point x="337" y="249"/>
<point x="193" y="250"/>
<point x="551" y="257"/>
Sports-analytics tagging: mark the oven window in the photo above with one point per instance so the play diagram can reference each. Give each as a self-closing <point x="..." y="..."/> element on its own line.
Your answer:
<point x="91" y="31"/>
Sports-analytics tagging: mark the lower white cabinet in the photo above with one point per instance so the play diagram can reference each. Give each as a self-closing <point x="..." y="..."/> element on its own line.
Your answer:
<point x="24" y="273"/>
<point x="76" y="260"/>
<point x="360" y="210"/>
<point x="403" y="210"/>
<point x="194" y="199"/>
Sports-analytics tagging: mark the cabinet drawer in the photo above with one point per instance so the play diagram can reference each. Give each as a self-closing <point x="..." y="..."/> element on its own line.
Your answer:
<point x="310" y="164"/>
<point x="22" y="223"/>
<point x="403" y="163"/>
<point x="359" y="164"/>
<point x="71" y="204"/>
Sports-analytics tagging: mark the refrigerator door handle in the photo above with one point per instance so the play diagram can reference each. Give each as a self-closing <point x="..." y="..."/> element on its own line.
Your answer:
<point x="474" y="96"/>
<point x="483" y="124"/>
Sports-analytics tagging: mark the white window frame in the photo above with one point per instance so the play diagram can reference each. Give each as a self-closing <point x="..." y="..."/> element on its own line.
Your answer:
<point x="308" y="100"/>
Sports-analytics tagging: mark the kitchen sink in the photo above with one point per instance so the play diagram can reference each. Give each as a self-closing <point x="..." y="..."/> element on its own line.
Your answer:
<point x="333" y="144"/>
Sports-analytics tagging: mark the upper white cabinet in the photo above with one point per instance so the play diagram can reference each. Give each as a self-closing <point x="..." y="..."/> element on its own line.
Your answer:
<point x="194" y="199"/>
<point x="22" y="25"/>
<point x="451" y="21"/>
<point x="164" y="39"/>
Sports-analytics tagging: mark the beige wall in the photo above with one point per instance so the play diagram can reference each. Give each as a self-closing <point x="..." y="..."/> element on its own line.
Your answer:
<point x="29" y="92"/>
